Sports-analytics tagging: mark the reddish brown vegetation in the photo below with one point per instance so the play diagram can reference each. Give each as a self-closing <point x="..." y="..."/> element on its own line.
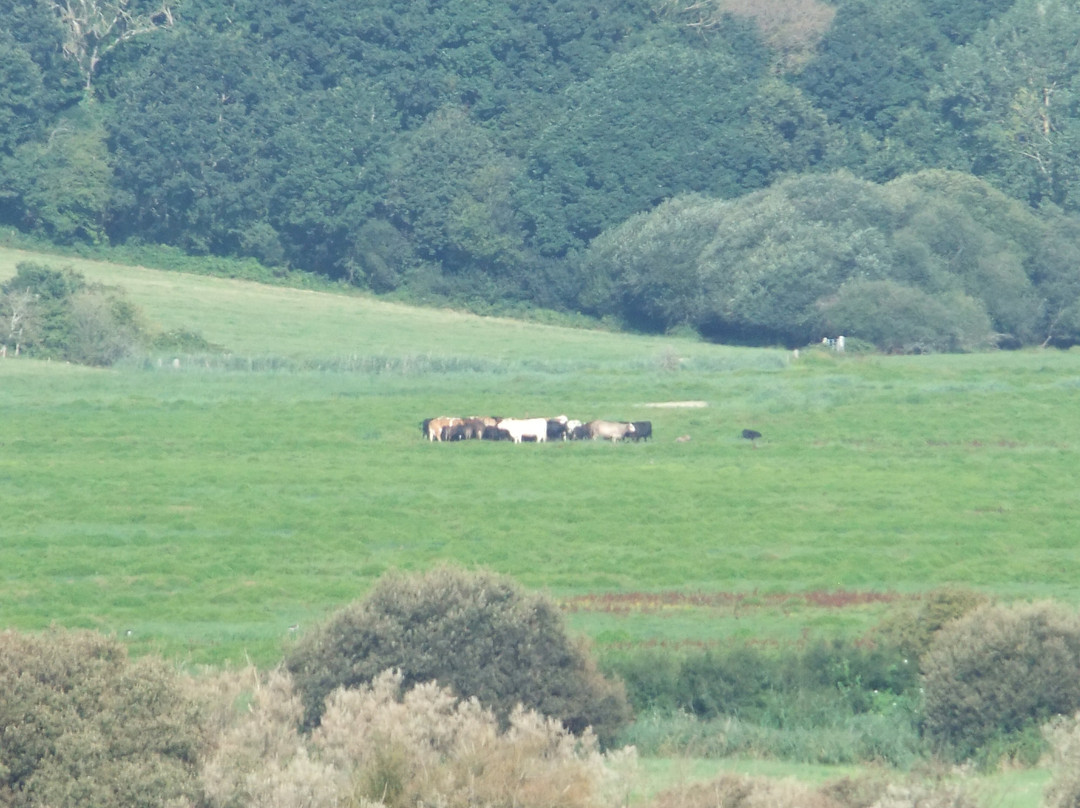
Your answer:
<point x="637" y="602"/>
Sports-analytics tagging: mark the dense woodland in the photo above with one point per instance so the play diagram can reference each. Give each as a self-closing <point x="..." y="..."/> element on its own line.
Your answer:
<point x="769" y="172"/>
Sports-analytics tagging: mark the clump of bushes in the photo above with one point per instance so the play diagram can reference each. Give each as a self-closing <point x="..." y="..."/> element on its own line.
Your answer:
<point x="479" y="634"/>
<point x="82" y="725"/>
<point x="992" y="676"/>
<point x="388" y="745"/>
<point x="57" y="314"/>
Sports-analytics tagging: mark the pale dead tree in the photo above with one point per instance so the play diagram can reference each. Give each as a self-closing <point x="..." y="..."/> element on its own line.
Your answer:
<point x="95" y="27"/>
<point x="17" y="310"/>
<point x="791" y="28"/>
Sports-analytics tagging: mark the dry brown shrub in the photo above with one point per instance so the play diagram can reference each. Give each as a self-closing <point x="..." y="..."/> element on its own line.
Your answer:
<point x="261" y="758"/>
<point x="740" y="791"/>
<point x="425" y="747"/>
<point x="451" y="752"/>
<point x="1063" y="736"/>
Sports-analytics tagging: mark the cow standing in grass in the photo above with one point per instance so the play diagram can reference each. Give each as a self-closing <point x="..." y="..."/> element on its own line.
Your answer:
<point x="520" y="429"/>
<point x="609" y="430"/>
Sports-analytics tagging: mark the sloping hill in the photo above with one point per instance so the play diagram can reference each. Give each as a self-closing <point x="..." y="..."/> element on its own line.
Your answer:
<point x="249" y="318"/>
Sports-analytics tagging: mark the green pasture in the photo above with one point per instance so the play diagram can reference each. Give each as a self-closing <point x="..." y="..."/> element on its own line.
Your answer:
<point x="208" y="507"/>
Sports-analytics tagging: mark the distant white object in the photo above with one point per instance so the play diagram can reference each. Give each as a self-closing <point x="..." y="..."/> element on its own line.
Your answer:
<point x="795" y="353"/>
<point x="690" y="404"/>
<point x="176" y="363"/>
<point x="840" y="344"/>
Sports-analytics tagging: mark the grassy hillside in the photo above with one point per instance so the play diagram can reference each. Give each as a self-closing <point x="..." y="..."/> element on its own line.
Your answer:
<point x="209" y="507"/>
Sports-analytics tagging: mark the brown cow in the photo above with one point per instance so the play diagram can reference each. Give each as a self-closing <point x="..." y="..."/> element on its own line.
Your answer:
<point x="434" y="427"/>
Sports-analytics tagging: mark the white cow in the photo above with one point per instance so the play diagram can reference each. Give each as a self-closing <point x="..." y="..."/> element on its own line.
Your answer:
<point x="609" y="430"/>
<point x="520" y="428"/>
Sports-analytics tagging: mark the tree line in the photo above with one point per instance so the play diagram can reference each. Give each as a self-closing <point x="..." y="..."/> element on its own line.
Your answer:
<point x="766" y="172"/>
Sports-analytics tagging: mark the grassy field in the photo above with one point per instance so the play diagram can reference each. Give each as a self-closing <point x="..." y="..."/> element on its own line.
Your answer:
<point x="209" y="507"/>
<point x="202" y="510"/>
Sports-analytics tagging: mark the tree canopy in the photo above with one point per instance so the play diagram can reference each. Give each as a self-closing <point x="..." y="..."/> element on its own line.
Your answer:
<point x="492" y="152"/>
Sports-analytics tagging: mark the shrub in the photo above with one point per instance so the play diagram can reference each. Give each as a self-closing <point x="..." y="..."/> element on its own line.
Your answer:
<point x="81" y="725"/>
<point x="477" y="633"/>
<point x="997" y="671"/>
<point x="911" y="630"/>
<point x="740" y="791"/>
<point x="380" y="746"/>
<point x="1063" y="737"/>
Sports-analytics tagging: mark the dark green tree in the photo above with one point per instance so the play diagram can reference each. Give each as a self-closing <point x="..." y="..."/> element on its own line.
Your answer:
<point x="876" y="60"/>
<point x="656" y="122"/>
<point x="451" y="191"/>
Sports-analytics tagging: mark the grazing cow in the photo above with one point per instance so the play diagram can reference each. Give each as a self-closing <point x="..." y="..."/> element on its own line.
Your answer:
<point x="473" y="428"/>
<point x="642" y="430"/>
<point x="522" y="428"/>
<point x="609" y="430"/>
<point x="579" y="432"/>
<point x="434" y="426"/>
<point x="556" y="428"/>
<point x="751" y="435"/>
<point x="494" y="433"/>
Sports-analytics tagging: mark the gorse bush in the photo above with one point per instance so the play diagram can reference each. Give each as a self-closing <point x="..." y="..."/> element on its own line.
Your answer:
<point x="385" y="745"/>
<point x="997" y="672"/>
<point x="82" y="725"/>
<point x="911" y="630"/>
<point x="477" y="633"/>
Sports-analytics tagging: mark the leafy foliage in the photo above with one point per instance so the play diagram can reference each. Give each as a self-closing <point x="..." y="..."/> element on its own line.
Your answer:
<point x="476" y="633"/>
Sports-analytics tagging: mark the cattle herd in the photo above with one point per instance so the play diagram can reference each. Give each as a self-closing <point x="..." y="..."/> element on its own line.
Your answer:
<point x="518" y="430"/>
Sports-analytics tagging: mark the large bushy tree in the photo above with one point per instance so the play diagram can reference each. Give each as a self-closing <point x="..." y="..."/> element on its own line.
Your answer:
<point x="479" y="634"/>
<point x="947" y="262"/>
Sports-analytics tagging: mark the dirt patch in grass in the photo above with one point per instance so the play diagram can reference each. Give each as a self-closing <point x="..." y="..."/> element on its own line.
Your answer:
<point x="659" y="602"/>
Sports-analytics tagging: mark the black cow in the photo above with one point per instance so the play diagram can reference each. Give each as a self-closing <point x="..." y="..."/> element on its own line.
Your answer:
<point x="556" y="428"/>
<point x="579" y="432"/>
<point x="642" y="431"/>
<point x="494" y="433"/>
